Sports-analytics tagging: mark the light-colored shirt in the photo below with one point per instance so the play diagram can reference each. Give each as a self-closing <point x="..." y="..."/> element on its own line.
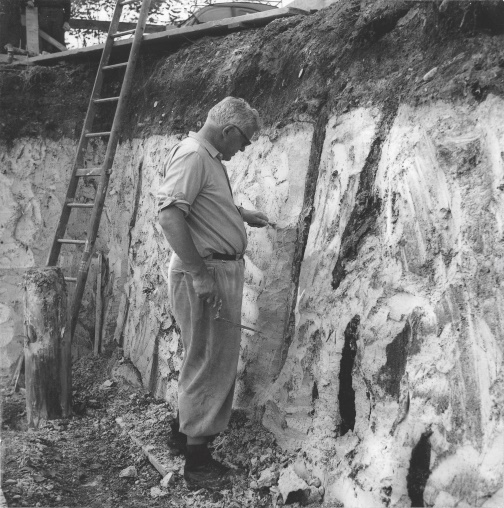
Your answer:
<point x="196" y="181"/>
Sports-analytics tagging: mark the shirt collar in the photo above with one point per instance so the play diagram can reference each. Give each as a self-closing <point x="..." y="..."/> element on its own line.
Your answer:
<point x="203" y="142"/>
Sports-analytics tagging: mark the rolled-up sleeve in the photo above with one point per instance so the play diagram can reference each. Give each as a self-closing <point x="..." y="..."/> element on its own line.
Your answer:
<point x="184" y="178"/>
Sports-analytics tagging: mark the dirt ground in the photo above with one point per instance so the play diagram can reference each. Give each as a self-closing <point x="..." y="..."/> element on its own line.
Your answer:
<point x="77" y="462"/>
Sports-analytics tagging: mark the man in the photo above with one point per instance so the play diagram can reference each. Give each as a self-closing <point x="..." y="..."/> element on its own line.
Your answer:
<point x="206" y="232"/>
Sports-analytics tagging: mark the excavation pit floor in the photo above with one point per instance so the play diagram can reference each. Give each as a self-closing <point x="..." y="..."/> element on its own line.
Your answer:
<point x="77" y="462"/>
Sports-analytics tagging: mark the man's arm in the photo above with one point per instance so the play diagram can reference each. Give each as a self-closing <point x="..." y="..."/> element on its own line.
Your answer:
<point x="177" y="233"/>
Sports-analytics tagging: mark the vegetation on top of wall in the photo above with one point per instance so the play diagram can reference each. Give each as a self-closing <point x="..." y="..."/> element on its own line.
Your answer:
<point x="350" y="54"/>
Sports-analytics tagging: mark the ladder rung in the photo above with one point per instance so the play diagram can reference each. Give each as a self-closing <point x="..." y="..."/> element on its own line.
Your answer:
<point x="115" y="66"/>
<point x="80" y="205"/>
<point x="107" y="99"/>
<point x="126" y="32"/>
<point x="127" y="2"/>
<point x="83" y="172"/>
<point x="71" y="279"/>
<point x="68" y="240"/>
<point x="97" y="134"/>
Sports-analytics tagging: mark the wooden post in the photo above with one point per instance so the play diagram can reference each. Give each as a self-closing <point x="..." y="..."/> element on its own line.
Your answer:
<point x="47" y="346"/>
<point x="98" y="310"/>
<point x="32" y="30"/>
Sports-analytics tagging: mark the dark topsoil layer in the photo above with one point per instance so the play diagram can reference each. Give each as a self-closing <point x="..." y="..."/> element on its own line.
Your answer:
<point x="353" y="53"/>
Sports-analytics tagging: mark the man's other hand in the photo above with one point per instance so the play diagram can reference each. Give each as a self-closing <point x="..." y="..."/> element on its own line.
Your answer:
<point x="255" y="219"/>
<point x="206" y="288"/>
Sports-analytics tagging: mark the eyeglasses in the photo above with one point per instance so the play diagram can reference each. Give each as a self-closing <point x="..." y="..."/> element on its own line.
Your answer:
<point x="247" y="140"/>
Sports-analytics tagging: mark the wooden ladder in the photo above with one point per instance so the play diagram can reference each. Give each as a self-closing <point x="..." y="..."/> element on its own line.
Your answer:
<point x="103" y="171"/>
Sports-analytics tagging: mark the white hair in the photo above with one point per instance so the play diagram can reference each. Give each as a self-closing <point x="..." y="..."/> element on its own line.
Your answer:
<point x="236" y="111"/>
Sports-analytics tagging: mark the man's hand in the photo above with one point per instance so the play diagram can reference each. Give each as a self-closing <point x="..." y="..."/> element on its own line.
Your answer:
<point x="205" y="287"/>
<point x="256" y="219"/>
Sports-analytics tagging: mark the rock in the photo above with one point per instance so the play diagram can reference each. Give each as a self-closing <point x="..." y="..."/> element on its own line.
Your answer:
<point x="167" y="480"/>
<point x="430" y="74"/>
<point x="254" y="485"/>
<point x="301" y="470"/>
<point x="314" y="496"/>
<point x="267" y="478"/>
<point x="315" y="482"/>
<point x="156" y="492"/>
<point x="289" y="482"/>
<point x="107" y="385"/>
<point x="127" y="375"/>
<point x="10" y="482"/>
<point x="128" y="472"/>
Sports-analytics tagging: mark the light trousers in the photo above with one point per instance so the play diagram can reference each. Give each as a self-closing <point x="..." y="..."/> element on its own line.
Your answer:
<point x="211" y="348"/>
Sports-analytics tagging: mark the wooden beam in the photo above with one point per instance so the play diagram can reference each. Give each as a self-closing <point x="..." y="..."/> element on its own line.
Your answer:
<point x="103" y="26"/>
<point x="164" y="39"/>
<point x="52" y="41"/>
<point x="32" y="30"/>
<point x="98" y="309"/>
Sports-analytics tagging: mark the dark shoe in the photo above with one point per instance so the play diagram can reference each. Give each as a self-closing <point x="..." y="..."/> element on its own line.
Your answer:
<point x="212" y="475"/>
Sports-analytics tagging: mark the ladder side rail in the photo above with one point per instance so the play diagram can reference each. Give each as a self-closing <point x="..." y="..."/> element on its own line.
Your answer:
<point x="107" y="165"/>
<point x="83" y="142"/>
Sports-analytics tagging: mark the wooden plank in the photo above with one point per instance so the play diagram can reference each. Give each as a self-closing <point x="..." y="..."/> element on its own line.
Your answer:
<point x="103" y="26"/>
<point x="32" y="29"/>
<point x="51" y="40"/>
<point x="152" y="458"/>
<point x="98" y="309"/>
<point x="165" y="38"/>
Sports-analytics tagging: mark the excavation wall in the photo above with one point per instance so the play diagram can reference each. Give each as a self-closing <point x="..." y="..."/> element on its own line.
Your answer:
<point x="379" y="295"/>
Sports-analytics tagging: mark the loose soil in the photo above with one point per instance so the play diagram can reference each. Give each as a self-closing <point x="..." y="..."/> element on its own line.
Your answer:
<point x="77" y="462"/>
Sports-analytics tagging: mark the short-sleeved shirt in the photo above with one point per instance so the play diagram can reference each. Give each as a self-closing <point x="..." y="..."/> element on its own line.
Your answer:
<point x="196" y="181"/>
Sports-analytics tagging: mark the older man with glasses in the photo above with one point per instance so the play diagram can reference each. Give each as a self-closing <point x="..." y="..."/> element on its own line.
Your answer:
<point x="206" y="232"/>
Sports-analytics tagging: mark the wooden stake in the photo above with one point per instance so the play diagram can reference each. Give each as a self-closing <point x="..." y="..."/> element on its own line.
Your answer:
<point x="98" y="310"/>
<point x="46" y="350"/>
<point x="17" y="372"/>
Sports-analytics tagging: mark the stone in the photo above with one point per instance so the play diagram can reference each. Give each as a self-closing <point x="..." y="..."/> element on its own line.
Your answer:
<point x="128" y="472"/>
<point x="127" y="375"/>
<point x="301" y="470"/>
<point x="156" y="492"/>
<point x="267" y="478"/>
<point x="167" y="480"/>
<point x="106" y="385"/>
<point x="289" y="482"/>
<point x="429" y="75"/>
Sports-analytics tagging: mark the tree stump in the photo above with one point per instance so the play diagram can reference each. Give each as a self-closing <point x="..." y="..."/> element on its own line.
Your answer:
<point x="47" y="346"/>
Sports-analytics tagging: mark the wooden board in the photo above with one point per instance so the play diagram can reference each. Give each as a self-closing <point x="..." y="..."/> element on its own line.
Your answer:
<point x="32" y="29"/>
<point x="103" y="26"/>
<point x="52" y="41"/>
<point x="163" y="39"/>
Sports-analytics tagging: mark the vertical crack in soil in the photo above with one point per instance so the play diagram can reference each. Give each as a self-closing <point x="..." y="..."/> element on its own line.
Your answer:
<point x="303" y="229"/>
<point x="365" y="213"/>
<point x="138" y="194"/>
<point x="346" y="395"/>
<point x="390" y="375"/>
<point x="419" y="471"/>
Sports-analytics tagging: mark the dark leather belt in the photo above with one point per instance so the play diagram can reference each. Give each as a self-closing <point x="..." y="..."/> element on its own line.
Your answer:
<point x="224" y="257"/>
